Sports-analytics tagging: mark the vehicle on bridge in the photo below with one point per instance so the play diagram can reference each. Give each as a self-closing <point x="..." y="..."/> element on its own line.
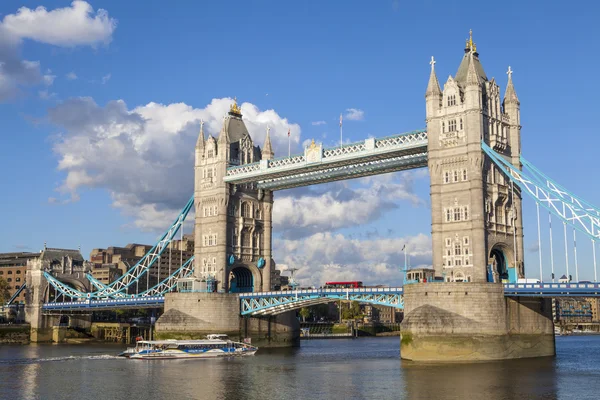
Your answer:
<point x="212" y="347"/>
<point x="343" y="285"/>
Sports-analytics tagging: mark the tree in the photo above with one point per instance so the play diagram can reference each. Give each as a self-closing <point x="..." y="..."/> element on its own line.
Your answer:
<point x="352" y="312"/>
<point x="4" y="291"/>
<point x="304" y="313"/>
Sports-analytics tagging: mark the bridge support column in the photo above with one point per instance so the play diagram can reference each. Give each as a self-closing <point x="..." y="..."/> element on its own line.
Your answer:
<point x="195" y="315"/>
<point x="41" y="326"/>
<point x="457" y="322"/>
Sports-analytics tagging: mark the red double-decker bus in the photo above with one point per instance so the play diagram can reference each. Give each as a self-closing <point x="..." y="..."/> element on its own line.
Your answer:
<point x="344" y="285"/>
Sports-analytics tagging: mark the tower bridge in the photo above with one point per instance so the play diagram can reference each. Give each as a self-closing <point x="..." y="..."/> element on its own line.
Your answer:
<point x="472" y="148"/>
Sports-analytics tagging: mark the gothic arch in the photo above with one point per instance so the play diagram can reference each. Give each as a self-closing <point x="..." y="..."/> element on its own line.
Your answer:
<point x="244" y="278"/>
<point x="501" y="258"/>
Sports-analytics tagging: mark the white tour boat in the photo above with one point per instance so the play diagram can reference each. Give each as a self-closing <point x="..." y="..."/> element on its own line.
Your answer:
<point x="213" y="346"/>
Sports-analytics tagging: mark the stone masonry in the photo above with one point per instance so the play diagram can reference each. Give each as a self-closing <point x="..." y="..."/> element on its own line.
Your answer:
<point x="475" y="211"/>
<point x="233" y="226"/>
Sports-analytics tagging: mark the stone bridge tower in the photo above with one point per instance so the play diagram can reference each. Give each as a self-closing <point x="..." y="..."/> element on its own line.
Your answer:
<point x="477" y="229"/>
<point x="233" y="223"/>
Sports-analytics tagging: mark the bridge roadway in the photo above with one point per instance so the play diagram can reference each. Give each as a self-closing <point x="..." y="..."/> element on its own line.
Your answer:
<point x="272" y="303"/>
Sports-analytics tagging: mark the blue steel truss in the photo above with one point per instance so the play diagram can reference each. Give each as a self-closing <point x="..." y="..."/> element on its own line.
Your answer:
<point x="552" y="289"/>
<point x="273" y="303"/>
<point x="16" y="294"/>
<point x="118" y="288"/>
<point x="318" y="165"/>
<point x="569" y="208"/>
<point x="106" y="304"/>
<point x="164" y="286"/>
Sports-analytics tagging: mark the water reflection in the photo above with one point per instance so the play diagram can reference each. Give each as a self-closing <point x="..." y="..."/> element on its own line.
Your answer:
<point x="514" y="379"/>
<point x="320" y="369"/>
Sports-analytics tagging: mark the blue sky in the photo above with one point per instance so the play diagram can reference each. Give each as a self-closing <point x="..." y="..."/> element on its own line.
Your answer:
<point x="307" y="62"/>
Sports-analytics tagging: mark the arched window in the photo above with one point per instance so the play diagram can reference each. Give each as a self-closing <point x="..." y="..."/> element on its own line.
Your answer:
<point x="246" y="211"/>
<point x="245" y="239"/>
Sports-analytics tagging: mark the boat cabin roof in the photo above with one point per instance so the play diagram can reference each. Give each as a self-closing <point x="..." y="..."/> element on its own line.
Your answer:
<point x="182" y="342"/>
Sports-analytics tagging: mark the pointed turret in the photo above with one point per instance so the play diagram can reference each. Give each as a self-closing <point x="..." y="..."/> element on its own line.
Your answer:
<point x="510" y="96"/>
<point x="472" y="75"/>
<point x="433" y="87"/>
<point x="267" y="151"/>
<point x="433" y="95"/>
<point x="201" y="139"/>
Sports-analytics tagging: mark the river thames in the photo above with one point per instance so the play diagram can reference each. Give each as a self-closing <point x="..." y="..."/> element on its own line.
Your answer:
<point x="365" y="368"/>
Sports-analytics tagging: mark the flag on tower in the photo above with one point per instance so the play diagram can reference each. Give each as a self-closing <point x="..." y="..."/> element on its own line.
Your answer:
<point x="288" y="132"/>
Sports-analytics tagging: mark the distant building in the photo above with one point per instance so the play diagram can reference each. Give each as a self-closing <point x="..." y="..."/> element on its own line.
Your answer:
<point x="13" y="267"/>
<point x="105" y="273"/>
<point x="572" y="310"/>
<point x="563" y="279"/>
<point x="112" y="262"/>
<point x="382" y="314"/>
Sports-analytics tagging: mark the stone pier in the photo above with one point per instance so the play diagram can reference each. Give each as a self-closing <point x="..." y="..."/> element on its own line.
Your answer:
<point x="464" y="322"/>
<point x="195" y="315"/>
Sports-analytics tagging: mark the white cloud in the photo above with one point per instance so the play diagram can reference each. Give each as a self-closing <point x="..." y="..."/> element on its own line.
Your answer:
<point x="354" y="114"/>
<point x="317" y="123"/>
<point x="326" y="257"/>
<point x="71" y="76"/>
<point x="46" y="95"/>
<point x="144" y="156"/>
<point x="48" y="78"/>
<point x="301" y="212"/>
<point x="105" y="78"/>
<point x="68" y="26"/>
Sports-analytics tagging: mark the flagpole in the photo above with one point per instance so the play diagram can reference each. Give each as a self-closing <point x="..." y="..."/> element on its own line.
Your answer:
<point x="289" y="145"/>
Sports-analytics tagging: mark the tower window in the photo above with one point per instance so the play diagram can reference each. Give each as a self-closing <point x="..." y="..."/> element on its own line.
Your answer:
<point x="452" y="125"/>
<point x="211" y="153"/>
<point x="452" y="100"/>
<point x="448" y="214"/>
<point x="447" y="177"/>
<point x="455" y="176"/>
<point x="246" y="210"/>
<point x="464" y="174"/>
<point x="457" y="213"/>
<point x="443" y="126"/>
<point x="461" y="124"/>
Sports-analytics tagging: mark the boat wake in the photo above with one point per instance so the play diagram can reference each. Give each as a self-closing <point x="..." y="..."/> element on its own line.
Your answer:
<point x="22" y="361"/>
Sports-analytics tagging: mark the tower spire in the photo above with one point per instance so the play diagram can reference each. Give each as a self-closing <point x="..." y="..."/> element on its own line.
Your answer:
<point x="472" y="76"/>
<point x="433" y="87"/>
<point x="470" y="46"/>
<point x="510" y="96"/>
<point x="200" y="141"/>
<point x="267" y="152"/>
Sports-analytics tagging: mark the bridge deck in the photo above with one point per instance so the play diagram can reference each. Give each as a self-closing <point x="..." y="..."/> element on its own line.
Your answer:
<point x="275" y="302"/>
<point x="318" y="165"/>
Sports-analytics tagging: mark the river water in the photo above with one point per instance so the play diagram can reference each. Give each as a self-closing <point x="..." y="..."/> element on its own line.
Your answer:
<point x="364" y="368"/>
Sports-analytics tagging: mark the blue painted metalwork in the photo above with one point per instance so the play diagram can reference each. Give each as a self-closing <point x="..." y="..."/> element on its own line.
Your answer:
<point x="119" y="287"/>
<point x="552" y="289"/>
<point x="569" y="208"/>
<point x="16" y="294"/>
<point x="273" y="303"/>
<point x="260" y="263"/>
<point x="106" y="304"/>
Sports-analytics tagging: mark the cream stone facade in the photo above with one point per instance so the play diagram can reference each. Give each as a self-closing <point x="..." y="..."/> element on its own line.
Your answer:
<point x="477" y="229"/>
<point x="233" y="226"/>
